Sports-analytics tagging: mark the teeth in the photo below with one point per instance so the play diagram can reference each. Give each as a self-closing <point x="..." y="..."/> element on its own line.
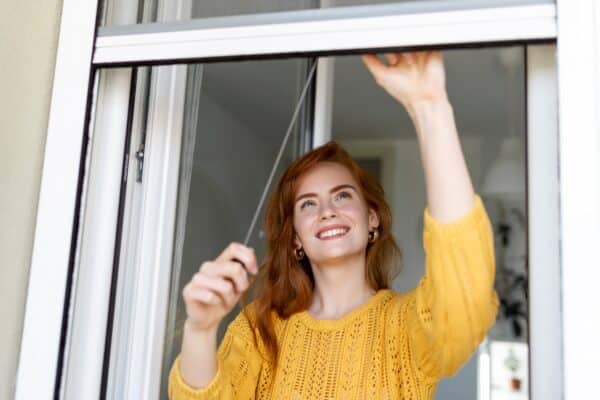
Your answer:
<point x="333" y="232"/>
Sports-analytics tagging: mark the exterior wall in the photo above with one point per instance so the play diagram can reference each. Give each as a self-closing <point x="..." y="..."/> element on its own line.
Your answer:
<point x="29" y="35"/>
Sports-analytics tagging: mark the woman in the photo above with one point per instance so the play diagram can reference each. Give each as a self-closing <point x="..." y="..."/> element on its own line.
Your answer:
<point x="325" y="324"/>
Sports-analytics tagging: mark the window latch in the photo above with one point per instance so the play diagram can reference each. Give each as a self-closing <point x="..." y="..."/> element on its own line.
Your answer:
<point x="139" y="156"/>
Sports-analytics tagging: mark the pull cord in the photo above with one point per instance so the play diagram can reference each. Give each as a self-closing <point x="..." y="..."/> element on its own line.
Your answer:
<point x="280" y="154"/>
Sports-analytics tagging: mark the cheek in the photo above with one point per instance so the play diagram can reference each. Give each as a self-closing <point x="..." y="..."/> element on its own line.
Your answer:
<point x="357" y="211"/>
<point x="301" y="225"/>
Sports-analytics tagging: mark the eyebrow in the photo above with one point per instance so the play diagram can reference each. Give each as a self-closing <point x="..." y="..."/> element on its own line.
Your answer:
<point x="334" y="189"/>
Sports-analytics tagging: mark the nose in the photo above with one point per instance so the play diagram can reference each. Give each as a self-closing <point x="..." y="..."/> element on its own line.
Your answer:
<point x="327" y="211"/>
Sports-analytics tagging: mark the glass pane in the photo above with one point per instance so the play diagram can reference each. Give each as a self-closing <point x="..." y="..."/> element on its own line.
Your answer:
<point x="147" y="9"/>
<point x="486" y="88"/>
<point x="243" y="113"/>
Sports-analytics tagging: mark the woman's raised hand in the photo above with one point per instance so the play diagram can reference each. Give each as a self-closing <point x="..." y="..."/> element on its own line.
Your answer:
<point x="217" y="286"/>
<point x="410" y="77"/>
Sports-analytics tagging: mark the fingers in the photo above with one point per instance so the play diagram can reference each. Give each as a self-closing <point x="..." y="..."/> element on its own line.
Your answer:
<point x="374" y="64"/>
<point x="231" y="271"/>
<point x="239" y="252"/>
<point x="419" y="58"/>
<point x="392" y="58"/>
<point x="210" y="290"/>
<point x="196" y="291"/>
<point x="435" y="55"/>
<point x="423" y="58"/>
<point x="226" y="266"/>
<point x="409" y="57"/>
<point x="204" y="296"/>
<point x="395" y="60"/>
<point x="223" y="280"/>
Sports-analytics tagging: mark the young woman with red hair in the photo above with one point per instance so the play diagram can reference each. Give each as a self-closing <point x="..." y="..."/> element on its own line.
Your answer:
<point x="325" y="324"/>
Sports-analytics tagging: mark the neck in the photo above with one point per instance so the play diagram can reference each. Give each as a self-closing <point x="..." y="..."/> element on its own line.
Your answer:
<point x="340" y="287"/>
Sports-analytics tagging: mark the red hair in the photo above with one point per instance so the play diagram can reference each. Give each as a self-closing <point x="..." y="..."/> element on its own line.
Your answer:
<point x="286" y="284"/>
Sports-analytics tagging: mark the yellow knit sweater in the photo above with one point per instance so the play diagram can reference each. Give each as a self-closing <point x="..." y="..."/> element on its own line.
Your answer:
<point x="395" y="346"/>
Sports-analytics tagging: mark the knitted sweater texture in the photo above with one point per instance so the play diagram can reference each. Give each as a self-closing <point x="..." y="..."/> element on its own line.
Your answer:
<point x="394" y="346"/>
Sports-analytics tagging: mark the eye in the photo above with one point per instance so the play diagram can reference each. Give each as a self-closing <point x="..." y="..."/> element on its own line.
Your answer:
<point x="343" y="195"/>
<point x="307" y="203"/>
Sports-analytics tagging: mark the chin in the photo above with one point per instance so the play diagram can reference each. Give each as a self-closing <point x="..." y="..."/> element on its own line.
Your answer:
<point x="336" y="255"/>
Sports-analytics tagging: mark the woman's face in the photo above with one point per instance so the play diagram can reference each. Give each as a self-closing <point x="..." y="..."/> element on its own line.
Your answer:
<point x="331" y="217"/>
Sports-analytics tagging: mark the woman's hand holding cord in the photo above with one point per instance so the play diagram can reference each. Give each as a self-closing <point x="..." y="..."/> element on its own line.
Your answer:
<point x="209" y="296"/>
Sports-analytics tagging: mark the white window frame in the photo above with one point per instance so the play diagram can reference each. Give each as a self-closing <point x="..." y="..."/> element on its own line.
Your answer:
<point x="578" y="47"/>
<point x="335" y="30"/>
<point x="545" y="338"/>
<point x="574" y="24"/>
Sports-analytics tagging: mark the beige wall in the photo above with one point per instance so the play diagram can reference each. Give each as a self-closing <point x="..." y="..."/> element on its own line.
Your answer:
<point x="28" y="40"/>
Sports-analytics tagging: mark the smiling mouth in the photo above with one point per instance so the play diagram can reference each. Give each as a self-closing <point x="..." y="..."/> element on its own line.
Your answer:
<point x="332" y="233"/>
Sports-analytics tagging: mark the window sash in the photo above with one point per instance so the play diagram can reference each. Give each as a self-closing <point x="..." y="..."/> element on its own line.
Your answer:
<point x="328" y="30"/>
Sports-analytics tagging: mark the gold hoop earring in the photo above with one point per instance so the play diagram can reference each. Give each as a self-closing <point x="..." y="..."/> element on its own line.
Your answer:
<point x="373" y="236"/>
<point x="299" y="253"/>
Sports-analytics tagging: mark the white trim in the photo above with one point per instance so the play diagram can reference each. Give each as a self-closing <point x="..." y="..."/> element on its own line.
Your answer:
<point x="145" y="286"/>
<point x="545" y="331"/>
<point x="157" y="215"/>
<point x="163" y="146"/>
<point x="323" y="101"/>
<point x="58" y="192"/>
<point x="579" y="146"/>
<point x="186" y="163"/>
<point x="192" y="40"/>
<point x="128" y="257"/>
<point x="85" y="349"/>
<point x="157" y="222"/>
<point x="483" y="370"/>
<point x="93" y="269"/>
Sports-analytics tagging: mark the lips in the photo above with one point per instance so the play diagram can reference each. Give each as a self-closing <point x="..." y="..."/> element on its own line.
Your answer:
<point x="332" y="232"/>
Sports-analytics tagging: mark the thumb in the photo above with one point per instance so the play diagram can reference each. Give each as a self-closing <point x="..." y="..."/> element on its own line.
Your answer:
<point x="374" y="65"/>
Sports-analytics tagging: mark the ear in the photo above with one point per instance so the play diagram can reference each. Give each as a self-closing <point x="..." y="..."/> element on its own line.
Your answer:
<point x="373" y="219"/>
<point x="297" y="242"/>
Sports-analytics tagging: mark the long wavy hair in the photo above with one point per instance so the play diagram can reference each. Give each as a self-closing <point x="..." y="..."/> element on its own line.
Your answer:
<point x="285" y="285"/>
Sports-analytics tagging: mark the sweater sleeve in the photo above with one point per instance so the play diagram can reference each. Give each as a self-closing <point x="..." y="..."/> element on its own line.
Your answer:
<point x="455" y="303"/>
<point x="238" y="367"/>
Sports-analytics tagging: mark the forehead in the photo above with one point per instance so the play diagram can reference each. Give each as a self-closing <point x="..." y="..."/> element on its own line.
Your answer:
<point x="324" y="176"/>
